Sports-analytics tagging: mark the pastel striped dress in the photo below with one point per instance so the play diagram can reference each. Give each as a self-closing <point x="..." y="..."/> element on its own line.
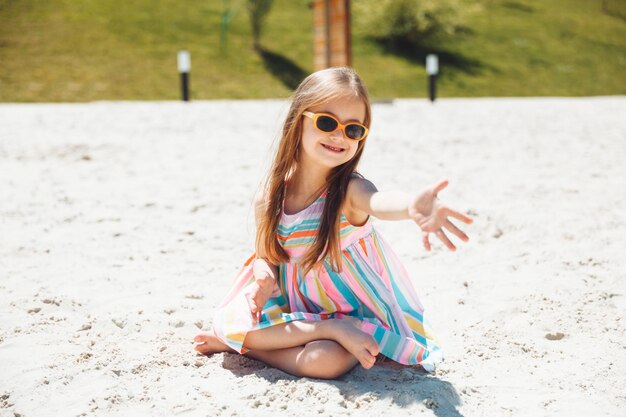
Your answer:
<point x="373" y="287"/>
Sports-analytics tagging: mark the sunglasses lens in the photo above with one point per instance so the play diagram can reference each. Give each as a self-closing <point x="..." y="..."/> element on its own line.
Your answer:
<point x="326" y="124"/>
<point x="355" y="131"/>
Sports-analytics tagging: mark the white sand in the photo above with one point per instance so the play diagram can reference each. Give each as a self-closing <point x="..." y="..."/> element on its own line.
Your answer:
<point x="122" y="226"/>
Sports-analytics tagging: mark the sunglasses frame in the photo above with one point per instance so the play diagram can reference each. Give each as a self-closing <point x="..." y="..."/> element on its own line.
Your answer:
<point x="340" y="126"/>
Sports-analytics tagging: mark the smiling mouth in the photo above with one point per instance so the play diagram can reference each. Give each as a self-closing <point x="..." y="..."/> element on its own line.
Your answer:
<point x="333" y="148"/>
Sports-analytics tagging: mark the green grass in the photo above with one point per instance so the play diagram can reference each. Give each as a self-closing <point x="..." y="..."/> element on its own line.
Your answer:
<point x="69" y="50"/>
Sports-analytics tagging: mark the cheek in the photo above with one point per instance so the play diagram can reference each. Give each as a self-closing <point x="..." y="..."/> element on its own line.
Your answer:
<point x="352" y="151"/>
<point x="309" y="134"/>
<point x="309" y="131"/>
<point x="308" y="140"/>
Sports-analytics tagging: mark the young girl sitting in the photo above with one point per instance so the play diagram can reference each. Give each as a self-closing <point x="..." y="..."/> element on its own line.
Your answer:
<point x="324" y="291"/>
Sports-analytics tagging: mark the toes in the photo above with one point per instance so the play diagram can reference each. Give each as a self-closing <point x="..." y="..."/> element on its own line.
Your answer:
<point x="202" y="348"/>
<point x="367" y="361"/>
<point x="201" y="337"/>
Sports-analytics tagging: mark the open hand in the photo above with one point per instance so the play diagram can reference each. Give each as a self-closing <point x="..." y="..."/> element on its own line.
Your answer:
<point x="432" y="216"/>
<point x="257" y="296"/>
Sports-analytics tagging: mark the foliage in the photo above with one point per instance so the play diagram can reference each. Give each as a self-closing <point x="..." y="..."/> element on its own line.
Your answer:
<point x="412" y="20"/>
<point x="227" y="16"/>
<point x="77" y="51"/>
<point x="258" y="10"/>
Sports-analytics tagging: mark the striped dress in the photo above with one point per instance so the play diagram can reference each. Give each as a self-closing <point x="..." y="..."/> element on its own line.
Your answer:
<point x="373" y="287"/>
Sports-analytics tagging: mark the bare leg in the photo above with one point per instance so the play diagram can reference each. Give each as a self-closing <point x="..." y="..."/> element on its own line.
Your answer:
<point x="299" y="333"/>
<point x="286" y="335"/>
<point x="318" y="359"/>
<point x="280" y="336"/>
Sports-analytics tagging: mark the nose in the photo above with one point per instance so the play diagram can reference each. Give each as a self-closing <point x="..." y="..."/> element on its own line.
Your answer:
<point x="337" y="134"/>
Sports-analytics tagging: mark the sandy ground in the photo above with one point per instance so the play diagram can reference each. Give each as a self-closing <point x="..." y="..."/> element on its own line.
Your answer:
<point x="122" y="226"/>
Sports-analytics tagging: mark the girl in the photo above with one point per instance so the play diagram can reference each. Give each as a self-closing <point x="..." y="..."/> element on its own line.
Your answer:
<point x="324" y="291"/>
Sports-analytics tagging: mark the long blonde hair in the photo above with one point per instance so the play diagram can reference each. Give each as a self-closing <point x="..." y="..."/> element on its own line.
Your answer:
<point x="317" y="88"/>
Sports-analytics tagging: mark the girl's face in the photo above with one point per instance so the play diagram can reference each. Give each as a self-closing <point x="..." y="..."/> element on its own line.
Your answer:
<point x="330" y="150"/>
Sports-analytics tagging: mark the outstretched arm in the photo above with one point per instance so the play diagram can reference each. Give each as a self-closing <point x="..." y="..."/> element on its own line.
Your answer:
<point x="430" y="214"/>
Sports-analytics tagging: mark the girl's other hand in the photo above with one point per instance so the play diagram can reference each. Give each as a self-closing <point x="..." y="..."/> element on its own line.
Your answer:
<point x="432" y="216"/>
<point x="258" y="295"/>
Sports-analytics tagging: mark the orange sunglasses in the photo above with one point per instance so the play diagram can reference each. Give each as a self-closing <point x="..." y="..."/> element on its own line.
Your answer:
<point x="328" y="123"/>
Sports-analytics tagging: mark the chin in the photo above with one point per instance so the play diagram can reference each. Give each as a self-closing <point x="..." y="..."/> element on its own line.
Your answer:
<point x="338" y="164"/>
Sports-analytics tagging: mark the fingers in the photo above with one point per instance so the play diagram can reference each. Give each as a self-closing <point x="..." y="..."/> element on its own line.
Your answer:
<point x="448" y="211"/>
<point x="443" y="183"/>
<point x="255" y="311"/>
<point x="257" y="316"/>
<point x="253" y="306"/>
<point x="425" y="241"/>
<point x="257" y="297"/>
<point x="457" y="215"/>
<point x="458" y="232"/>
<point x="442" y="236"/>
<point x="433" y="221"/>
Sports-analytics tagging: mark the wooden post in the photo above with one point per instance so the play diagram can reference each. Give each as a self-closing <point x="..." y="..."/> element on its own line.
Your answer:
<point x="331" y="33"/>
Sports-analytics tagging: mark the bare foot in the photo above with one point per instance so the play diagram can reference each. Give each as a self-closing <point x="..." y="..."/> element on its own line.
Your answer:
<point x="209" y="343"/>
<point x="360" y="344"/>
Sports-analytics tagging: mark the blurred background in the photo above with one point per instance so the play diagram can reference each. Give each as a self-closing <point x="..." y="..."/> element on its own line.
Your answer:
<point x="76" y="51"/>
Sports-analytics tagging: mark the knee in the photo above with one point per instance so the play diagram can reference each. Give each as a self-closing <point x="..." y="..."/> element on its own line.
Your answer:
<point x="325" y="359"/>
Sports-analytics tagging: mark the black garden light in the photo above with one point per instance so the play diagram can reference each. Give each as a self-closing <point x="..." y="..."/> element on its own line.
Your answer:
<point x="432" y="69"/>
<point x="184" y="66"/>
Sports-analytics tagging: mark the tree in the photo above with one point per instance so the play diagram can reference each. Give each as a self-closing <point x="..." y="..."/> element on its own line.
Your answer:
<point x="412" y="21"/>
<point x="258" y="10"/>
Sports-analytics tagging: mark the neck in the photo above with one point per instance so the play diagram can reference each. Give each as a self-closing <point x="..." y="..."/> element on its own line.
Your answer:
<point x="308" y="180"/>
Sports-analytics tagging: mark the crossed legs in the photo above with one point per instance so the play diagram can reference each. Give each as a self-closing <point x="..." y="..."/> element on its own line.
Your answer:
<point x="326" y="349"/>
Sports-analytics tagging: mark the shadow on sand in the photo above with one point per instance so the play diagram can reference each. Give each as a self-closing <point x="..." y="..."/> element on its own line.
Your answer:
<point x="403" y="385"/>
